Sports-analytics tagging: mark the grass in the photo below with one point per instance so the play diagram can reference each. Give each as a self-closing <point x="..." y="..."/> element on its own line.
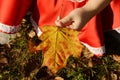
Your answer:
<point x="17" y="63"/>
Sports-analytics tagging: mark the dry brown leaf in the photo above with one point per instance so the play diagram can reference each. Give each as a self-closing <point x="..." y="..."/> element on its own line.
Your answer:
<point x="3" y="60"/>
<point x="58" y="78"/>
<point x="116" y="58"/>
<point x="57" y="45"/>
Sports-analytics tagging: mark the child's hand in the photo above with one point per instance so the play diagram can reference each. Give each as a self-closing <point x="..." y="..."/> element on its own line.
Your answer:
<point x="74" y="20"/>
<point x="80" y="16"/>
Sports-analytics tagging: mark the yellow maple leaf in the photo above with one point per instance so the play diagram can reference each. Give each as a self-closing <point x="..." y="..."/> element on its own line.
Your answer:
<point x="57" y="45"/>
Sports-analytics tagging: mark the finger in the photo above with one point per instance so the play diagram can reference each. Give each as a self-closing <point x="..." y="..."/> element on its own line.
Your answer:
<point x="66" y="20"/>
<point x="58" y="22"/>
<point x="58" y="18"/>
<point x="75" y="26"/>
<point x="72" y="27"/>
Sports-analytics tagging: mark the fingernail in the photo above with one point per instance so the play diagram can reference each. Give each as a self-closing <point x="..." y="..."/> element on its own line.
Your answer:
<point x="58" y="18"/>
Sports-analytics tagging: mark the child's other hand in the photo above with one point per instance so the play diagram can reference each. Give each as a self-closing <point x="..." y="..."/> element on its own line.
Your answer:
<point x="73" y="20"/>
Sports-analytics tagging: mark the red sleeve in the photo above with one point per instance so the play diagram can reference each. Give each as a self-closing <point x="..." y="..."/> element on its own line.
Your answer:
<point x="49" y="11"/>
<point x="12" y="11"/>
<point x="11" y="14"/>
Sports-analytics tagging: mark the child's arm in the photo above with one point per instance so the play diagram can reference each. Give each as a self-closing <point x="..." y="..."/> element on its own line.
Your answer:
<point x="80" y="16"/>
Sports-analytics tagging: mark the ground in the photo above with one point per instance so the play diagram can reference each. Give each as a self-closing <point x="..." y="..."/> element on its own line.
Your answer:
<point x="18" y="63"/>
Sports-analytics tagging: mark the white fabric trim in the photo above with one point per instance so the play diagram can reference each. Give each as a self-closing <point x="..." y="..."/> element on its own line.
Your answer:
<point x="77" y="0"/>
<point x="8" y="29"/>
<point x="38" y="31"/>
<point x="96" y="51"/>
<point x="117" y="29"/>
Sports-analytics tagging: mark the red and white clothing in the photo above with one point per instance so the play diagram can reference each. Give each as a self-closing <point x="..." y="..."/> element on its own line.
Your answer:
<point x="11" y="14"/>
<point x="45" y="12"/>
<point x="92" y="34"/>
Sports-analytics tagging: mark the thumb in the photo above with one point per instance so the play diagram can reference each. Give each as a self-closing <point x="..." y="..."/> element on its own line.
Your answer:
<point x="58" y="22"/>
<point x="64" y="21"/>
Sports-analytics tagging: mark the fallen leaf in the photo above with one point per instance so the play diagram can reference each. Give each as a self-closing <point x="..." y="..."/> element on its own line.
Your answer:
<point x="58" y="78"/>
<point x="116" y="58"/>
<point x="31" y="34"/>
<point x="57" y="45"/>
<point x="3" y="60"/>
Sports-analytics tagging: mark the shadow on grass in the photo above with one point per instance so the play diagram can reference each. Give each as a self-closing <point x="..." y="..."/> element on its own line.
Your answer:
<point x="112" y="42"/>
